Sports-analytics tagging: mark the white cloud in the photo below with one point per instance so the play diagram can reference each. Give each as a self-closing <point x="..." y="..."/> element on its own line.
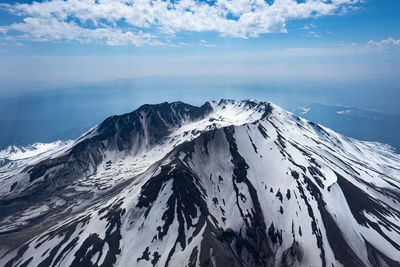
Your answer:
<point x="51" y="29"/>
<point x="130" y="22"/>
<point x="385" y="44"/>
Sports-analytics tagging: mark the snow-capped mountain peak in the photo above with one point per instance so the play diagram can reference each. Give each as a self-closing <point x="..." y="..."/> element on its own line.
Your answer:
<point x="241" y="183"/>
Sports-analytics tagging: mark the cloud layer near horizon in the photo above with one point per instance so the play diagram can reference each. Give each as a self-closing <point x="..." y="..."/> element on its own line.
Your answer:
<point x="156" y="22"/>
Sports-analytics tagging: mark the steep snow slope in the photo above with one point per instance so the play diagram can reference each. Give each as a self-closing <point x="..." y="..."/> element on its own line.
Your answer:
<point x="238" y="183"/>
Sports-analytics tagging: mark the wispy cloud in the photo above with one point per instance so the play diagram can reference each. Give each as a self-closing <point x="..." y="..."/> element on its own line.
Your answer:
<point x="207" y="44"/>
<point x="153" y="22"/>
<point x="311" y="30"/>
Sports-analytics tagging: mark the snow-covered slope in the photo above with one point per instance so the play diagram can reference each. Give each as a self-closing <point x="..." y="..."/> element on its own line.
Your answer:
<point x="22" y="152"/>
<point x="14" y="158"/>
<point x="241" y="183"/>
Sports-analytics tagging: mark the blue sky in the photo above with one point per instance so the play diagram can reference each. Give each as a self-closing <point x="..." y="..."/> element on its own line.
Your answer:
<point x="99" y="40"/>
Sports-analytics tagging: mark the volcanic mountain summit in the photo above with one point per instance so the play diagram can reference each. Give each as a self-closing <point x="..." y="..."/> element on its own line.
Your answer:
<point x="229" y="183"/>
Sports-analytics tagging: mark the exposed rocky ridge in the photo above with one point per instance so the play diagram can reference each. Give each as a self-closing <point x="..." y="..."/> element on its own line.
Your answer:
<point x="131" y="133"/>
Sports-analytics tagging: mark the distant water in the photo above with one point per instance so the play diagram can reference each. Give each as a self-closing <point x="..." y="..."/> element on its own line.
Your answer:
<point x="65" y="111"/>
<point x="358" y="123"/>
